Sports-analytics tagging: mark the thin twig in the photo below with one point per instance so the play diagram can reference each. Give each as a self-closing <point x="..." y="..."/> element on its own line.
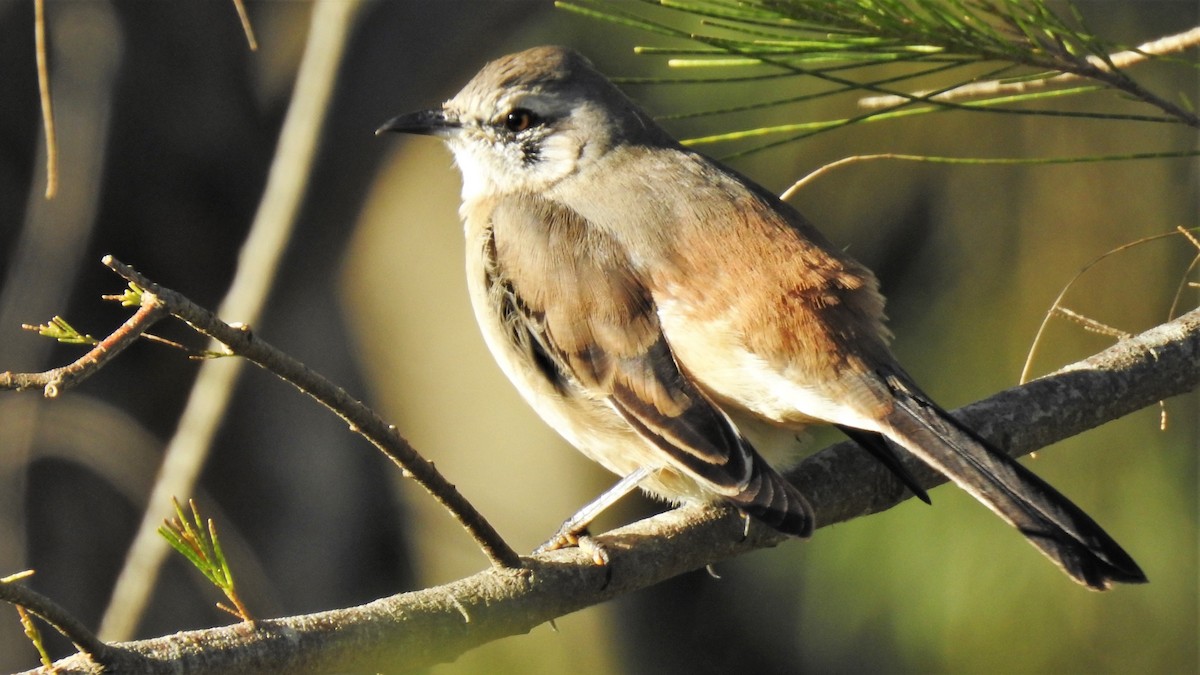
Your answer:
<point x="258" y="261"/>
<point x="1183" y="281"/>
<point x="62" y="621"/>
<point x="813" y="175"/>
<point x="159" y="302"/>
<point x="1027" y="369"/>
<point x="1091" y="325"/>
<point x="975" y="161"/>
<point x="242" y="342"/>
<point x="1166" y="45"/>
<point x="56" y="380"/>
<point x="246" y="27"/>
<point x="43" y="71"/>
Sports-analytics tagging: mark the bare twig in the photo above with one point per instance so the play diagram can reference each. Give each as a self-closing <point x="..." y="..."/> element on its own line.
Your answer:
<point x="258" y="261"/>
<point x="43" y="71"/>
<point x="813" y="175"/>
<point x="159" y="302"/>
<point x="1183" y="281"/>
<point x="1092" y="325"/>
<point x="421" y="628"/>
<point x="246" y="27"/>
<point x="1027" y="369"/>
<point x="808" y="178"/>
<point x="364" y="421"/>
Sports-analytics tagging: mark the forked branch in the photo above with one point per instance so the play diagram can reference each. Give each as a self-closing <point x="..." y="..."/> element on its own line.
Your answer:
<point x="158" y="302"/>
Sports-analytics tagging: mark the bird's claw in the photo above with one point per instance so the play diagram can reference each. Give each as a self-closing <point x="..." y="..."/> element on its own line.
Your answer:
<point x="580" y="539"/>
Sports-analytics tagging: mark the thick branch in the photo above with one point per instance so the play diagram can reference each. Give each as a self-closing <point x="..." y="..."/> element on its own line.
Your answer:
<point x="420" y="628"/>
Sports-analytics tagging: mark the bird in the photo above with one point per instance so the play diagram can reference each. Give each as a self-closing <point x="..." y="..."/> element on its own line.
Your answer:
<point x="679" y="324"/>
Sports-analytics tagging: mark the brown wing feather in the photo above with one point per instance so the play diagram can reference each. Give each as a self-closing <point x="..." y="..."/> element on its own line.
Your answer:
<point x="577" y="297"/>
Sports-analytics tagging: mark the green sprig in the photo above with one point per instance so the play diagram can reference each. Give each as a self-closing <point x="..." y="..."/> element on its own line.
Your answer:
<point x="132" y="297"/>
<point x="35" y="637"/>
<point x="197" y="541"/>
<point x="818" y="38"/>
<point x="59" y="329"/>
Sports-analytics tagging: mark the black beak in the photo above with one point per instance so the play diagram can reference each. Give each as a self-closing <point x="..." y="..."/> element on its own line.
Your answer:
<point x="424" y="122"/>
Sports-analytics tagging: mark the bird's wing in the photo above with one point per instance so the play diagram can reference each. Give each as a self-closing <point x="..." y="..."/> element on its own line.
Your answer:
<point x="803" y="325"/>
<point x="574" y="293"/>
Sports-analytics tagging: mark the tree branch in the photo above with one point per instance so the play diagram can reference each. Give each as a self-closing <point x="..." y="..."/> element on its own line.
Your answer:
<point x="158" y="302"/>
<point x="57" y="380"/>
<point x="362" y="420"/>
<point x="63" y="621"/>
<point x="331" y="25"/>
<point x="420" y="628"/>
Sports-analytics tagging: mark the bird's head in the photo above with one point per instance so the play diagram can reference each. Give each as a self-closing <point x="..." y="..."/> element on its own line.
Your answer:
<point x="530" y="119"/>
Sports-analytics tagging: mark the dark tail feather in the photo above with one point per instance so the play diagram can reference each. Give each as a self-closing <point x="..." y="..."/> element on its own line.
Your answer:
<point x="875" y="444"/>
<point x="1061" y="530"/>
<point x="771" y="499"/>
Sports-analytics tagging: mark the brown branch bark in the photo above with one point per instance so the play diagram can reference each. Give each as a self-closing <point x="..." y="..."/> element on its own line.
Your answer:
<point x="420" y="628"/>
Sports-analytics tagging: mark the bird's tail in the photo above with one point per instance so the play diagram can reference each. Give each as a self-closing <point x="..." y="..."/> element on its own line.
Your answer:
<point x="1058" y="528"/>
<point x="771" y="499"/>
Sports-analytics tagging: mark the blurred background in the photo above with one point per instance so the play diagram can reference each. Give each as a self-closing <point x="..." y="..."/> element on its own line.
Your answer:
<point x="167" y="124"/>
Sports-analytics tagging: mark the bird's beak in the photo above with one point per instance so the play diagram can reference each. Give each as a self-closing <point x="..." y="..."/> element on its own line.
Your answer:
<point x="424" y="122"/>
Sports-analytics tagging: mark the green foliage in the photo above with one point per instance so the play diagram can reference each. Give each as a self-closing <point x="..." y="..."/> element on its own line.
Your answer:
<point x="201" y="546"/>
<point x="35" y="636"/>
<point x="132" y="297"/>
<point x="59" y="329"/>
<point x="1021" y="46"/>
<point x="27" y="624"/>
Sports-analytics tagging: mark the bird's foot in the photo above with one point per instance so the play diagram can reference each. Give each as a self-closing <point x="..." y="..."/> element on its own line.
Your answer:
<point x="581" y="539"/>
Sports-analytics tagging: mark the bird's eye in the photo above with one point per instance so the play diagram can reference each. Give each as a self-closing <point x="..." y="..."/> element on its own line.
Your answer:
<point x="520" y="119"/>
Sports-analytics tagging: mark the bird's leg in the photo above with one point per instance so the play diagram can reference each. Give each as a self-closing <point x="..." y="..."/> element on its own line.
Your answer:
<point x="574" y="532"/>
